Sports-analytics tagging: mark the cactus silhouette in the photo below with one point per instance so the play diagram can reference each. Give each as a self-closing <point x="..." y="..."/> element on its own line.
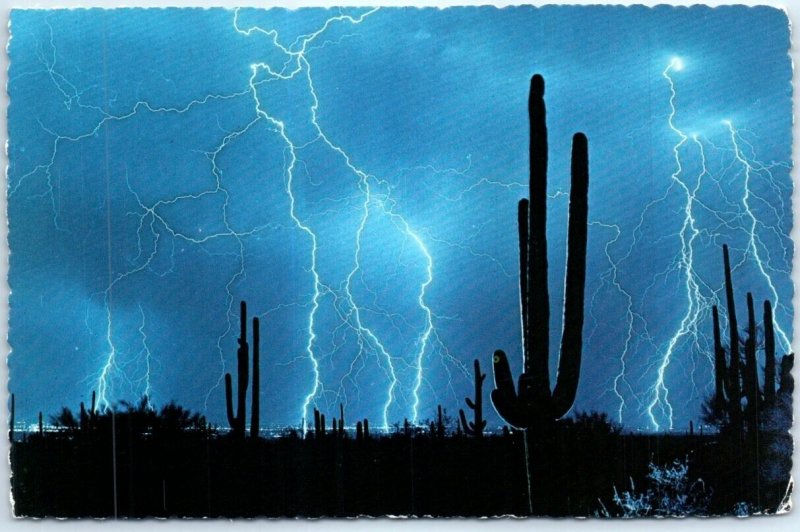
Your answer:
<point x="475" y="428"/>
<point x="786" y="379"/>
<point x="237" y="420"/>
<point x="319" y="424"/>
<point x="533" y="403"/>
<point x="769" y="355"/>
<point x="733" y="379"/>
<point x="751" y="389"/>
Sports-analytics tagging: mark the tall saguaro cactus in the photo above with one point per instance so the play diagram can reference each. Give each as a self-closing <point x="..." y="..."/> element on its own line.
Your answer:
<point x="237" y="420"/>
<point x="475" y="428"/>
<point x="533" y="402"/>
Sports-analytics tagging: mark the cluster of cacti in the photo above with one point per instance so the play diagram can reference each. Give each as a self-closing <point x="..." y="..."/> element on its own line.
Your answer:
<point x="437" y="427"/>
<point x="736" y="379"/>
<point x="337" y="426"/>
<point x="362" y="430"/>
<point x="319" y="424"/>
<point x="475" y="428"/>
<point x="237" y="420"/>
<point x="533" y="403"/>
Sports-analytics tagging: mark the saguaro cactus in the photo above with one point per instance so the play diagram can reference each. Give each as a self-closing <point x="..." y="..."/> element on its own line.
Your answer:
<point x="237" y="421"/>
<point x="534" y="402"/>
<point x="769" y="355"/>
<point x="751" y="388"/>
<point x="734" y="379"/>
<point x="475" y="428"/>
<point x="727" y="373"/>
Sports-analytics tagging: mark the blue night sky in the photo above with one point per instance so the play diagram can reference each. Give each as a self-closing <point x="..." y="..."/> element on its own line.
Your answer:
<point x="354" y="176"/>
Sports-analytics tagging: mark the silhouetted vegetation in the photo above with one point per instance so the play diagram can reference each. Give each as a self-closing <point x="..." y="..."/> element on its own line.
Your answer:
<point x="170" y="462"/>
<point x="753" y="419"/>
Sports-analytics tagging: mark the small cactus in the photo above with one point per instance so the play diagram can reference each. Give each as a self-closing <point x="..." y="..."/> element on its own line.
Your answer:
<point x="475" y="428"/>
<point x="439" y="423"/>
<point x="237" y="419"/>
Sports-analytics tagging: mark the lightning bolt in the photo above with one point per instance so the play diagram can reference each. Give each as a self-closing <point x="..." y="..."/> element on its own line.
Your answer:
<point x="755" y="246"/>
<point x="148" y="389"/>
<point x="688" y="345"/>
<point x="374" y="203"/>
<point x="348" y="330"/>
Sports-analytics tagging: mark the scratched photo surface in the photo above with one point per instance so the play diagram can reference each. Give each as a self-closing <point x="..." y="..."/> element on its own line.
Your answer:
<point x="345" y="262"/>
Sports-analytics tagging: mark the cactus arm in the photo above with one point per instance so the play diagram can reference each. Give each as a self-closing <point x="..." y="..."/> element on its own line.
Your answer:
<point x="538" y="348"/>
<point x="503" y="380"/>
<point x="504" y="397"/>
<point x="769" y="354"/>
<point x="787" y="381"/>
<point x="468" y="427"/>
<point x="229" y="401"/>
<point x="735" y="394"/>
<point x="569" y="364"/>
<point x="243" y="369"/>
<point x="470" y="403"/>
<point x="751" y="367"/>
<point x="719" y="361"/>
